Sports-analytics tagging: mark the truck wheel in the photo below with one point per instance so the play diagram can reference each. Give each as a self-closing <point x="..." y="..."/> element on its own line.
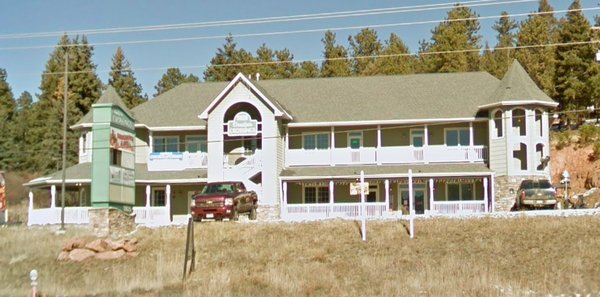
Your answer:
<point x="235" y="215"/>
<point x="252" y="214"/>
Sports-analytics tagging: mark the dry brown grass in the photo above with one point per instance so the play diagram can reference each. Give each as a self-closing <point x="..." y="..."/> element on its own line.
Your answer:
<point x="486" y="257"/>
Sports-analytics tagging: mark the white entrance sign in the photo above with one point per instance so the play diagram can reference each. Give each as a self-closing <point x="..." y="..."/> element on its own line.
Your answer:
<point x="355" y="189"/>
<point x="242" y="125"/>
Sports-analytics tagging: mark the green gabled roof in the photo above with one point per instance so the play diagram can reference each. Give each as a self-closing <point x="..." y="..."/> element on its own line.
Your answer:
<point x="516" y="88"/>
<point x="81" y="173"/>
<point x="110" y="95"/>
<point x="378" y="98"/>
<point x="180" y="106"/>
<point x="385" y="171"/>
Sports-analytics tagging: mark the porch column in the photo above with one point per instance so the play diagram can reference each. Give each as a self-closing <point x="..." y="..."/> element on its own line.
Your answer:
<point x="471" y="143"/>
<point x="411" y="204"/>
<point x="378" y="145"/>
<point x="30" y="206"/>
<point x="431" y="194"/>
<point x="493" y="192"/>
<point x="168" y="202"/>
<point x="286" y="145"/>
<point x="485" y="194"/>
<point x="425" y="143"/>
<point x="53" y="196"/>
<point x="332" y="146"/>
<point x="386" y="185"/>
<point x="331" y="198"/>
<point x="147" y="195"/>
<point x="150" y="141"/>
<point x="284" y="198"/>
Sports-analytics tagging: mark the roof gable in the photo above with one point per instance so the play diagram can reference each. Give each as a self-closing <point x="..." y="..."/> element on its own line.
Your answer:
<point x="240" y="78"/>
<point x="110" y="96"/>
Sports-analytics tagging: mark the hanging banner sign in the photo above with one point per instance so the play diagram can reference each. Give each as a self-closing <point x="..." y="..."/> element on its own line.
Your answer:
<point x="355" y="188"/>
<point x="242" y="125"/>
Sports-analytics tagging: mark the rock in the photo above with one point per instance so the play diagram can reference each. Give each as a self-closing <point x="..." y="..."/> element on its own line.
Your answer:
<point x="63" y="256"/>
<point x="76" y="243"/>
<point x="133" y="254"/>
<point x="132" y="241"/>
<point x="114" y="245"/>
<point x="129" y="247"/>
<point x="110" y="255"/>
<point x="98" y="245"/>
<point x="78" y="255"/>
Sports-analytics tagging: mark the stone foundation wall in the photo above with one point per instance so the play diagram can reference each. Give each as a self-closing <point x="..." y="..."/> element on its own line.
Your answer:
<point x="111" y="222"/>
<point x="502" y="186"/>
<point x="268" y="213"/>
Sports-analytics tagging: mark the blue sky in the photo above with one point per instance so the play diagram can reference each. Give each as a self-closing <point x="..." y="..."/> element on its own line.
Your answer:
<point x="150" y="60"/>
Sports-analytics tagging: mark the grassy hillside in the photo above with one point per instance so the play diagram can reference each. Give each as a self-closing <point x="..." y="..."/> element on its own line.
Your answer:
<point x="485" y="257"/>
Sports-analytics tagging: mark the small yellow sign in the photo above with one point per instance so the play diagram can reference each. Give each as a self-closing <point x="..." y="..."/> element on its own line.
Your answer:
<point x="355" y="188"/>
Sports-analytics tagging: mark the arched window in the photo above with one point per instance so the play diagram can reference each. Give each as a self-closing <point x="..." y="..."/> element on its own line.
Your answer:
<point x="498" y="123"/>
<point x="518" y="120"/>
<point x="538" y="121"/>
<point x="520" y="157"/>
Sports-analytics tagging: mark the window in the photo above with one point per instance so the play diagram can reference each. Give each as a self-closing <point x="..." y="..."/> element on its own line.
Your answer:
<point x="355" y="140"/>
<point x="457" y="137"/>
<point x="498" y="123"/>
<point x="417" y="137"/>
<point x="518" y="120"/>
<point x="165" y="144"/>
<point x="316" y="195"/>
<point x="373" y="193"/>
<point x="458" y="192"/>
<point x="158" y="197"/>
<point x="315" y="141"/>
<point x="115" y="157"/>
<point x="195" y="144"/>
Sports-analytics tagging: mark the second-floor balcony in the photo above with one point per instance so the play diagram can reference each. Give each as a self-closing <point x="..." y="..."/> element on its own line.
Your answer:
<point x="175" y="161"/>
<point x="386" y="155"/>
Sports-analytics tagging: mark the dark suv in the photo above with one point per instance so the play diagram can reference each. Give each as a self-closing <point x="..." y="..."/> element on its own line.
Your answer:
<point x="535" y="193"/>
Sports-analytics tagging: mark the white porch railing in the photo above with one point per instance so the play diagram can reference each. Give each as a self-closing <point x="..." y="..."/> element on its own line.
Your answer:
<point x="176" y="161"/>
<point x="335" y="210"/>
<point x="458" y="207"/>
<point x="152" y="216"/>
<point x="386" y="155"/>
<point x="46" y="216"/>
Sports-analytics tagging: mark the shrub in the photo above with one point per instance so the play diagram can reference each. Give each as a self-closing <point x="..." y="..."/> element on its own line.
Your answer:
<point x="595" y="151"/>
<point x="588" y="134"/>
<point x="562" y="139"/>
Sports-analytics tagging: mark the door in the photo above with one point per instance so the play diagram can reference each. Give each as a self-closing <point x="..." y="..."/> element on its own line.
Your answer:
<point x="419" y="196"/>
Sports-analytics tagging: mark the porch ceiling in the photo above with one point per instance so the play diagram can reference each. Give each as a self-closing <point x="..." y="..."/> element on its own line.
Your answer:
<point x="81" y="173"/>
<point x="383" y="171"/>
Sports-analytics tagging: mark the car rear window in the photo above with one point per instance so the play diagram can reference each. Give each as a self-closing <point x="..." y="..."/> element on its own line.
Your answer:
<point x="537" y="184"/>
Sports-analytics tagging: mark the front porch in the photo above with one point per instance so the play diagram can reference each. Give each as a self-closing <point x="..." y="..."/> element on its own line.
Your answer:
<point x="312" y="199"/>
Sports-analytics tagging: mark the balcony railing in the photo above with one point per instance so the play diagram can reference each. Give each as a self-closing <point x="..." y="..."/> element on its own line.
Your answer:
<point x="175" y="161"/>
<point x="386" y="155"/>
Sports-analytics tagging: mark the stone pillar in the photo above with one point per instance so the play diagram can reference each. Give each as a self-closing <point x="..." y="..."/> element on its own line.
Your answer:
<point x="111" y="221"/>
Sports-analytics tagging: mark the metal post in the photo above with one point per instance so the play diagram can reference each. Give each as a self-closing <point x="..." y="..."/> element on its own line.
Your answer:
<point x="64" y="146"/>
<point x="362" y="205"/>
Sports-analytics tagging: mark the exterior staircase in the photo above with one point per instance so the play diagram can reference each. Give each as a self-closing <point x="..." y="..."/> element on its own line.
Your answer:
<point x="245" y="171"/>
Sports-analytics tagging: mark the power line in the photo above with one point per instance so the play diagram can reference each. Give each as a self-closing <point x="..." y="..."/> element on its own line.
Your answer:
<point x="340" y="58"/>
<point x="276" y="33"/>
<point x="303" y="17"/>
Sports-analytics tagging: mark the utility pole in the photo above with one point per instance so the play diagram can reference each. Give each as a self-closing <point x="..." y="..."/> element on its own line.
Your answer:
<point x="64" y="146"/>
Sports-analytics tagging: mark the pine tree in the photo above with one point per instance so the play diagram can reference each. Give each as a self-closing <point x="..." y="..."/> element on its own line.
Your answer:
<point x="306" y="69"/>
<point x="285" y="67"/>
<point x="488" y="60"/>
<point x="266" y="66"/>
<point x="83" y="89"/>
<point x="365" y="47"/>
<point x="458" y="32"/>
<point x="395" y="58"/>
<point x="228" y="62"/>
<point x="539" y="61"/>
<point x="122" y="79"/>
<point x="503" y="56"/>
<point x="575" y="63"/>
<point x="336" y="58"/>
<point x="8" y="149"/>
<point x="22" y="138"/>
<point x="172" y="78"/>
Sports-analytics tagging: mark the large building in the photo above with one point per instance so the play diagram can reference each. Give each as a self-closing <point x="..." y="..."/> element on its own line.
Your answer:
<point x="468" y="138"/>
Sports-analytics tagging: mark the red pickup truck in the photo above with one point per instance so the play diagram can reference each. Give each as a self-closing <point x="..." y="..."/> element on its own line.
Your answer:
<point x="224" y="200"/>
